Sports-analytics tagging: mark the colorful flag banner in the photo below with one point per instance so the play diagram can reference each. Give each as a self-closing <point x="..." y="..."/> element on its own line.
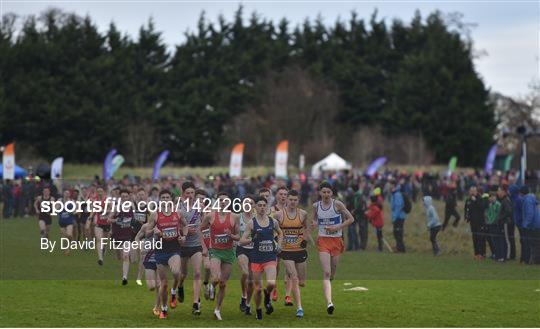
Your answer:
<point x="375" y="165"/>
<point x="282" y="154"/>
<point x="508" y="162"/>
<point x="117" y="161"/>
<point x="107" y="165"/>
<point x="237" y="154"/>
<point x="490" y="159"/>
<point x="56" y="168"/>
<point x="8" y="162"/>
<point x="159" y="163"/>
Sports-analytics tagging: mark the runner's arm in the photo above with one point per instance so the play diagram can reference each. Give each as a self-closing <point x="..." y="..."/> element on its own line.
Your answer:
<point x="279" y="232"/>
<point x="246" y="238"/>
<point x="36" y="203"/>
<point x="201" y="238"/>
<point x="152" y="228"/>
<point x="205" y="221"/>
<point x="314" y="217"/>
<point x="349" y="219"/>
<point x="235" y="235"/>
<point x="182" y="223"/>
<point x="141" y="233"/>
<point x="307" y="231"/>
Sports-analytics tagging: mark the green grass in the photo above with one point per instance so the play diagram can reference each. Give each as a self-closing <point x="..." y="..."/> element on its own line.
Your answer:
<point x="39" y="288"/>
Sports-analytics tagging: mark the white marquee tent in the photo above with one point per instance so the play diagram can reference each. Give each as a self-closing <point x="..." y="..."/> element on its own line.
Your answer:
<point x="332" y="162"/>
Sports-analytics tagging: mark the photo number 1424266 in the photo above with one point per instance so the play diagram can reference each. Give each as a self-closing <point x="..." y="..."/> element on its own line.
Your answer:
<point x="208" y="205"/>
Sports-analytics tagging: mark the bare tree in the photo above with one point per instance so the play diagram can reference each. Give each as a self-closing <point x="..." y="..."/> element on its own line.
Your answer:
<point x="139" y="141"/>
<point x="293" y="106"/>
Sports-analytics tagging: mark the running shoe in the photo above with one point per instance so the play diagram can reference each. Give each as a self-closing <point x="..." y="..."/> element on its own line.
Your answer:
<point x="180" y="294"/>
<point x="139" y="282"/>
<point x="196" y="310"/>
<point x="156" y="311"/>
<point x="173" y="301"/>
<point x="248" y="310"/>
<point x="100" y="262"/>
<point x="124" y="281"/>
<point x="299" y="313"/>
<point x="243" y="305"/>
<point x="259" y="314"/>
<point x="330" y="308"/>
<point x="163" y="315"/>
<point x="288" y="301"/>
<point x="268" y="303"/>
<point x="217" y="314"/>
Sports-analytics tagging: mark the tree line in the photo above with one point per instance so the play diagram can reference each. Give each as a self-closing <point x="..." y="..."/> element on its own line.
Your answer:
<point x="67" y="89"/>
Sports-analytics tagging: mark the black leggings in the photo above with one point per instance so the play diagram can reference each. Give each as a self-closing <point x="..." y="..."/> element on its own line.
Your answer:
<point x="398" y="235"/>
<point x="433" y="238"/>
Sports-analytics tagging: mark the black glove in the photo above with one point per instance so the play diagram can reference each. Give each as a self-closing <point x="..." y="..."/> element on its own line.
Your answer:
<point x="303" y="244"/>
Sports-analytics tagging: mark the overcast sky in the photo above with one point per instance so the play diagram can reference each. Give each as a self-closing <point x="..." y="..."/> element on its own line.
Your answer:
<point x="508" y="32"/>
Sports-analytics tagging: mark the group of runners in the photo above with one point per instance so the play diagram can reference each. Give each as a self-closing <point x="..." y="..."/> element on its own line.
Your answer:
<point x="263" y="238"/>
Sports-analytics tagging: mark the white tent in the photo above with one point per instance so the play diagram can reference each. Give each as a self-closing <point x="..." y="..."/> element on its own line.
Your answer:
<point x="332" y="162"/>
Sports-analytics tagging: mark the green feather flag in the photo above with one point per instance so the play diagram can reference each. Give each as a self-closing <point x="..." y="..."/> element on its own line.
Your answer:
<point x="508" y="162"/>
<point x="117" y="161"/>
<point x="452" y="164"/>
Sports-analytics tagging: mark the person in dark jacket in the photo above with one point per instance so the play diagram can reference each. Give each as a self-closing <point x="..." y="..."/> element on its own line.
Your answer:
<point x="353" y="242"/>
<point x="493" y="225"/>
<point x="474" y="215"/>
<point x="531" y="224"/>
<point x="517" y="203"/>
<point x="398" y="215"/>
<point x="506" y="224"/>
<point x="450" y="207"/>
<point x="360" y="207"/>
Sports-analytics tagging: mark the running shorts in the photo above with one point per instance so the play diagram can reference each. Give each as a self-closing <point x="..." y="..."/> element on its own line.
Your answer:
<point x="163" y="258"/>
<point x="189" y="251"/>
<point x="332" y="245"/>
<point x="243" y="251"/>
<point x="296" y="256"/>
<point x="225" y="255"/>
<point x="260" y="267"/>
<point x="150" y="265"/>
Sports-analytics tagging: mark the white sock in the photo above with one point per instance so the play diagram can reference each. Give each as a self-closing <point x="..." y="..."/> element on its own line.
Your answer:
<point x="173" y="291"/>
<point x="164" y="308"/>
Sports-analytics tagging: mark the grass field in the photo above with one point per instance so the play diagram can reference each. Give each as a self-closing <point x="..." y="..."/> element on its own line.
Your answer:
<point x="45" y="289"/>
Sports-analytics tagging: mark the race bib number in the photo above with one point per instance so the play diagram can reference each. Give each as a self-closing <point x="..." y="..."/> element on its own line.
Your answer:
<point x="206" y="234"/>
<point x="323" y="222"/>
<point x="291" y="239"/>
<point x="139" y="217"/>
<point x="170" y="232"/>
<point x="266" y="246"/>
<point x="221" y="238"/>
<point x="124" y="222"/>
